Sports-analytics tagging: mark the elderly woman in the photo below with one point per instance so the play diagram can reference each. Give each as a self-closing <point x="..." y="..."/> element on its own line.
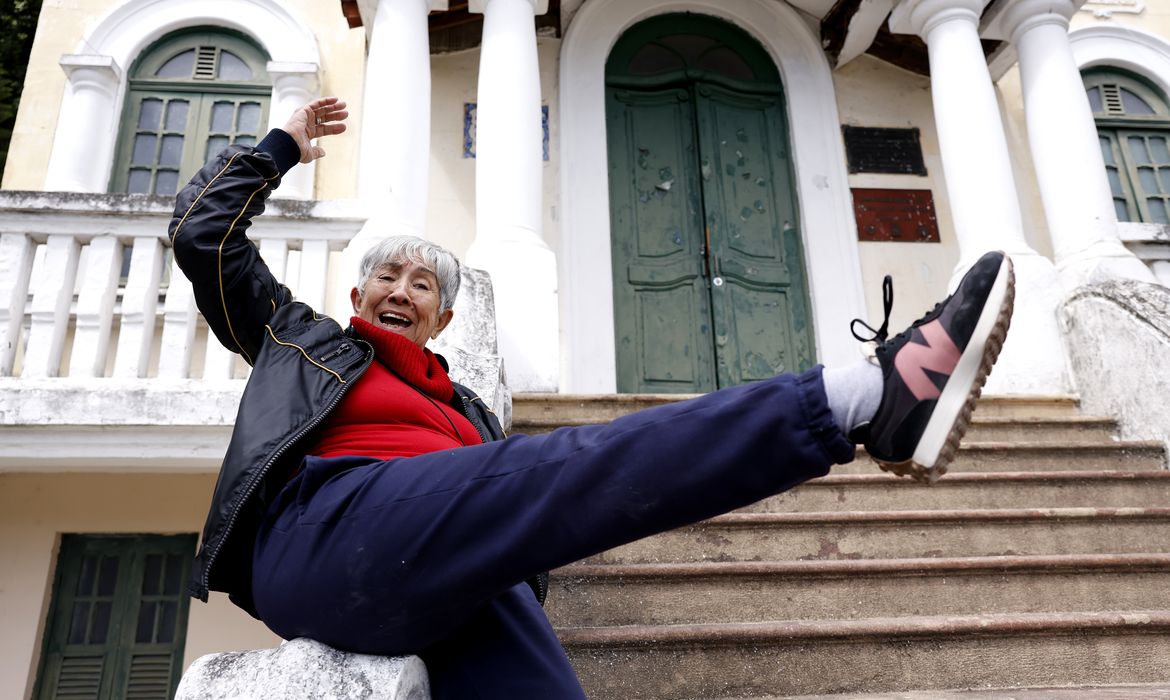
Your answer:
<point x="368" y="502"/>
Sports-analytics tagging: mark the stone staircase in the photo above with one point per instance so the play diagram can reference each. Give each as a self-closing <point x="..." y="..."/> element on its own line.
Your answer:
<point x="1041" y="560"/>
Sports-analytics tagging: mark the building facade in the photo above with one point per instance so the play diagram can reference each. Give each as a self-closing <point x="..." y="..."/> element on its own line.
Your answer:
<point x="669" y="195"/>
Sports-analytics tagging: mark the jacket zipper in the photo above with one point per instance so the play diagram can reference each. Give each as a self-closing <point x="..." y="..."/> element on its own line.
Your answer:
<point x="334" y="353"/>
<point x="251" y="488"/>
<point x="467" y="414"/>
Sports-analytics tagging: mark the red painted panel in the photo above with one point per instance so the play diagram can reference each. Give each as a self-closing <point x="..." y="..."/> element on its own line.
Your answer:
<point x="895" y="215"/>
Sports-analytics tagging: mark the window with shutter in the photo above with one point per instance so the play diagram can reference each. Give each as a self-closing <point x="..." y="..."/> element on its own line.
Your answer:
<point x="1133" y="125"/>
<point x="118" y="618"/>
<point x="191" y="94"/>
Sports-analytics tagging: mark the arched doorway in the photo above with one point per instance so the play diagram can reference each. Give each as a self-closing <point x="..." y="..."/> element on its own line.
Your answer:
<point x="709" y="279"/>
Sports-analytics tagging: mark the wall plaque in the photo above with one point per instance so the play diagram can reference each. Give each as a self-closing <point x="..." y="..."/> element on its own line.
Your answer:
<point x="895" y="215"/>
<point x="879" y="150"/>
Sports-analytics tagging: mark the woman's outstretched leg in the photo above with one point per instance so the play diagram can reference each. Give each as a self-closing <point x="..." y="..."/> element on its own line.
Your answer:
<point x="404" y="550"/>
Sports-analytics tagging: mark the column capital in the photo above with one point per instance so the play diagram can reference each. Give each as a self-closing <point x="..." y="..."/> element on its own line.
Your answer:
<point x="539" y="7"/>
<point x="92" y="70"/>
<point x="1008" y="19"/>
<point x="368" y="10"/>
<point x="920" y="16"/>
<point x="288" y="75"/>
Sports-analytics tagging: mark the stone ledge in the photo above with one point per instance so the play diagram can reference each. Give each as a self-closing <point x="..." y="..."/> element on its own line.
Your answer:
<point x="303" y="668"/>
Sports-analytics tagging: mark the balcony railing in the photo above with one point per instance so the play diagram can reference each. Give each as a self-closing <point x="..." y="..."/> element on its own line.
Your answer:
<point x="92" y="291"/>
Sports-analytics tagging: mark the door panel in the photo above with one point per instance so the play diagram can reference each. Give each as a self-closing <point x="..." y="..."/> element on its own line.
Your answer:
<point x="670" y="358"/>
<point x="758" y="298"/>
<point x="661" y="304"/>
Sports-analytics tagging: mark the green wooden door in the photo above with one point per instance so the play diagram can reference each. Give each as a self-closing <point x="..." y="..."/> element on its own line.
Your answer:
<point x="758" y="299"/>
<point x="709" y="281"/>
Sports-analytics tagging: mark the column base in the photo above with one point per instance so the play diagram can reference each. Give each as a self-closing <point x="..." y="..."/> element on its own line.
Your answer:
<point x="1033" y="359"/>
<point x="524" y="276"/>
<point x="1101" y="262"/>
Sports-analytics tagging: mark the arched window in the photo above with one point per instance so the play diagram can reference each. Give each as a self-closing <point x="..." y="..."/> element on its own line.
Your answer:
<point x="1133" y="123"/>
<point x="190" y="94"/>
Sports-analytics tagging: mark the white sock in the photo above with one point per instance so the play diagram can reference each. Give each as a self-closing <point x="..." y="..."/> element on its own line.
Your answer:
<point x="854" y="393"/>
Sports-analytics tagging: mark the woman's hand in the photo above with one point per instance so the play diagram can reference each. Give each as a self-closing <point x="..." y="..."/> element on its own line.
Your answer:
<point x="323" y="116"/>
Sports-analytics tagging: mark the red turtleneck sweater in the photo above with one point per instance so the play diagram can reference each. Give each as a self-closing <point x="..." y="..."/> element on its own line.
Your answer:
<point x="398" y="408"/>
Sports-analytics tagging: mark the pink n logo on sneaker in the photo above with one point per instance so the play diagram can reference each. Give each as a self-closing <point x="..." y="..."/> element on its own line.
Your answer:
<point x="939" y="355"/>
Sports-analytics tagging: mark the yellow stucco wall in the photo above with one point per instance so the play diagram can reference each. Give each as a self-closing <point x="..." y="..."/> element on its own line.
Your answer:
<point x="451" y="186"/>
<point x="876" y="94"/>
<point x="35" y="510"/>
<point x="63" y="28"/>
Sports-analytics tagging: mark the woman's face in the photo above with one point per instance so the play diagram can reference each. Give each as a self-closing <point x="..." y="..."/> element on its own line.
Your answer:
<point x="403" y="297"/>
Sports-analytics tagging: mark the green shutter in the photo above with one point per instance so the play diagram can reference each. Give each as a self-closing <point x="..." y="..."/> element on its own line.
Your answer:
<point x="118" y="618"/>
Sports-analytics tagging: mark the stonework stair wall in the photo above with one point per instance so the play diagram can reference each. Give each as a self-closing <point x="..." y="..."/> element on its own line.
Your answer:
<point x="1118" y="338"/>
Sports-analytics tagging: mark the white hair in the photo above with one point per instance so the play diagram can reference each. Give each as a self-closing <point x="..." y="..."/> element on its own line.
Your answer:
<point x="396" y="248"/>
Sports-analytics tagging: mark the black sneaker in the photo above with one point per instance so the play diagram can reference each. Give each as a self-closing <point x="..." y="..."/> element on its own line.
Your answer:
<point x="934" y="371"/>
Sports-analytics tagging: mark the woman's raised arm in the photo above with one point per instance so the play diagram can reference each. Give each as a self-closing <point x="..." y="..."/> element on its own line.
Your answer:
<point x="234" y="289"/>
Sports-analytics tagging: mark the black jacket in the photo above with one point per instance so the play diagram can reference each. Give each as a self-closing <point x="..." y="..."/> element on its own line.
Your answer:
<point x="302" y="363"/>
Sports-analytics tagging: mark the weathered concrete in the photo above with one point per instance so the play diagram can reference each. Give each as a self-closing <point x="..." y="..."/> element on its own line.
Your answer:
<point x="749" y="537"/>
<point x="469" y="344"/>
<point x="717" y="592"/>
<point x="783" y="659"/>
<point x="874" y="491"/>
<point x="1118" y="339"/>
<point x="303" y="668"/>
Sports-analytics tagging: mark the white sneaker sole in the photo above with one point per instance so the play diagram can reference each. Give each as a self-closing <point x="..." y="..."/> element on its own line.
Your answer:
<point x="952" y="414"/>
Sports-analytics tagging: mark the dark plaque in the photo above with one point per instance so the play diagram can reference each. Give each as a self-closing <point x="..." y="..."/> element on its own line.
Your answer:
<point x="875" y="150"/>
<point x="895" y="215"/>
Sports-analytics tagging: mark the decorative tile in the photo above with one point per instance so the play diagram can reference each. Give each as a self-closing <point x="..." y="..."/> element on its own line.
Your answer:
<point x="469" y="129"/>
<point x="544" y="128"/>
<point x="469" y="122"/>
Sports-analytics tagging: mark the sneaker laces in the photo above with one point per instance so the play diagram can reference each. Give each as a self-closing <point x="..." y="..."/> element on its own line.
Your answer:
<point x="879" y="334"/>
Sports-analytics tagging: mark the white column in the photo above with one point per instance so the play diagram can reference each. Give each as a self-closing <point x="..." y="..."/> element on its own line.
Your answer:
<point x="139" y="308"/>
<point x="293" y="86"/>
<point x="95" y="307"/>
<point x="49" y="313"/>
<point x="179" y="321"/>
<point x="981" y="189"/>
<point x="396" y="132"/>
<point x="87" y="125"/>
<point x="508" y="188"/>
<point x="1066" y="151"/>
<point x="16" y="261"/>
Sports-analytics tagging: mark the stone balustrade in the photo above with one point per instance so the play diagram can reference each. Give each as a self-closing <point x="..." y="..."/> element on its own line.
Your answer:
<point x="92" y="290"/>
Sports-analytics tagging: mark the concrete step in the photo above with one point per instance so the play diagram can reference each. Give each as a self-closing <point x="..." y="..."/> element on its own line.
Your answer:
<point x="871" y="655"/>
<point x="713" y="592"/>
<point x="974" y="490"/>
<point x="903" y="534"/>
<point x="1067" y="429"/>
<point x="1128" y="455"/>
<point x="532" y="413"/>
<point x="1159" y="691"/>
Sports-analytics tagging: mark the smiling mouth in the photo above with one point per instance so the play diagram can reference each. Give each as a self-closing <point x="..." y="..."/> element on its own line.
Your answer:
<point x="393" y="320"/>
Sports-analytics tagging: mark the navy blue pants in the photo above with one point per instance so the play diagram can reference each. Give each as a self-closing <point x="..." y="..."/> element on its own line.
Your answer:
<point x="427" y="555"/>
